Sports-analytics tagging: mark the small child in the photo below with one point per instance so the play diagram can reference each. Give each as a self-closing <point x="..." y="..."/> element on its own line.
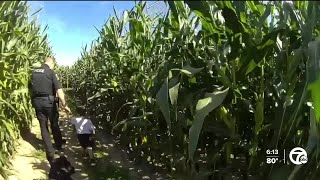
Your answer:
<point x="85" y="131"/>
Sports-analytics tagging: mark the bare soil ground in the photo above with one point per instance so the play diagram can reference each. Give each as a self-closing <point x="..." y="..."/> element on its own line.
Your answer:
<point x="30" y="162"/>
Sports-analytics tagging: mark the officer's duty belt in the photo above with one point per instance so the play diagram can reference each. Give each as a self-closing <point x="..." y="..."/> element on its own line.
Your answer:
<point x="41" y="95"/>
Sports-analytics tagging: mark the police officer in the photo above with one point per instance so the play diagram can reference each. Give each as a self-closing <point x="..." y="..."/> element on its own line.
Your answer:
<point x="57" y="101"/>
<point x="44" y="86"/>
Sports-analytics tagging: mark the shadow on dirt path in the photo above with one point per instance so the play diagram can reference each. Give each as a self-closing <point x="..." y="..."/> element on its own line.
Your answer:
<point x="112" y="161"/>
<point x="30" y="161"/>
<point x="32" y="139"/>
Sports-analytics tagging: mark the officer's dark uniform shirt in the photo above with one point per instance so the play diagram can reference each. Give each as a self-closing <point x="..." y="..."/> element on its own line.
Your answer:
<point x="43" y="86"/>
<point x="44" y="83"/>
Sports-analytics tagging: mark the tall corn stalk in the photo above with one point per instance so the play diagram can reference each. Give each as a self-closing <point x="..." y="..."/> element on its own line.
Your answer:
<point x="21" y="45"/>
<point x="207" y="88"/>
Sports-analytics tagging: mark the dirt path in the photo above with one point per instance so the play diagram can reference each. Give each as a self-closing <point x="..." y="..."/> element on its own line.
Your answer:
<point x="29" y="156"/>
<point x="112" y="162"/>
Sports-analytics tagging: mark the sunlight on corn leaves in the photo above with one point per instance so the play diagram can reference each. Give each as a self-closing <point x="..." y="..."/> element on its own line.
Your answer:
<point x="155" y="73"/>
<point x="21" y="45"/>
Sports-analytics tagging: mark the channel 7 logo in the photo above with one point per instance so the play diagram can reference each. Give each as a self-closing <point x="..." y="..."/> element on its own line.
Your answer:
<point x="300" y="156"/>
<point x="297" y="156"/>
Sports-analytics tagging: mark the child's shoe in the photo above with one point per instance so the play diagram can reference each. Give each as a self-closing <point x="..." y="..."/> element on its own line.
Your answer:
<point x="92" y="162"/>
<point x="90" y="152"/>
<point x="85" y="154"/>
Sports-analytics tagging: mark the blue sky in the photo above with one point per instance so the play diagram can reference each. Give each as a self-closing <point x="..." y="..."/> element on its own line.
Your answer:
<point x="71" y="23"/>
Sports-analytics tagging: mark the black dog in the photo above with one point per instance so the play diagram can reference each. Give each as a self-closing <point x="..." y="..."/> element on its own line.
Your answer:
<point x="61" y="169"/>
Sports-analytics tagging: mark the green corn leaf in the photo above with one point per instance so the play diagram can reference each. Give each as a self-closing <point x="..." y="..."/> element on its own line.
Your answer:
<point x="203" y="108"/>
<point x="163" y="102"/>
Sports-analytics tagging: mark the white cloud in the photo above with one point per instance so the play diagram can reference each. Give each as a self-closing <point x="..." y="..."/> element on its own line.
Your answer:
<point x="55" y="23"/>
<point x="35" y="6"/>
<point x="156" y="8"/>
<point x="66" y="42"/>
<point x="105" y="2"/>
<point x="56" y="26"/>
<point x="66" y="59"/>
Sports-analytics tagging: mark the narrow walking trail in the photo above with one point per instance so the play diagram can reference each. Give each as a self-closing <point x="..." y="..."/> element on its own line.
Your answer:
<point x="29" y="162"/>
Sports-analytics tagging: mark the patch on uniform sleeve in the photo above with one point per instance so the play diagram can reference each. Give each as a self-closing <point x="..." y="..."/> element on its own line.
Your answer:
<point x="39" y="70"/>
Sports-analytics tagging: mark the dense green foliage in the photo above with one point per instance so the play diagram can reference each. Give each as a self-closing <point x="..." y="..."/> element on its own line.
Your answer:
<point x="21" y="45"/>
<point x="209" y="102"/>
<point x="203" y="91"/>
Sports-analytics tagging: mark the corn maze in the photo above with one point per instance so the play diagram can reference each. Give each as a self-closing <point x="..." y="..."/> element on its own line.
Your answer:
<point x="201" y="91"/>
<point x="21" y="45"/>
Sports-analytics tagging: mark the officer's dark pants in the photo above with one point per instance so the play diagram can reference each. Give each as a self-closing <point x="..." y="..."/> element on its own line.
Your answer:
<point x="45" y="111"/>
<point x="56" y="111"/>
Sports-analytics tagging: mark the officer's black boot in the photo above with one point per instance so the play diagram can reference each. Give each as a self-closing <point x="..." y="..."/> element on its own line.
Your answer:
<point x="52" y="157"/>
<point x="59" y="147"/>
<point x="53" y="174"/>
